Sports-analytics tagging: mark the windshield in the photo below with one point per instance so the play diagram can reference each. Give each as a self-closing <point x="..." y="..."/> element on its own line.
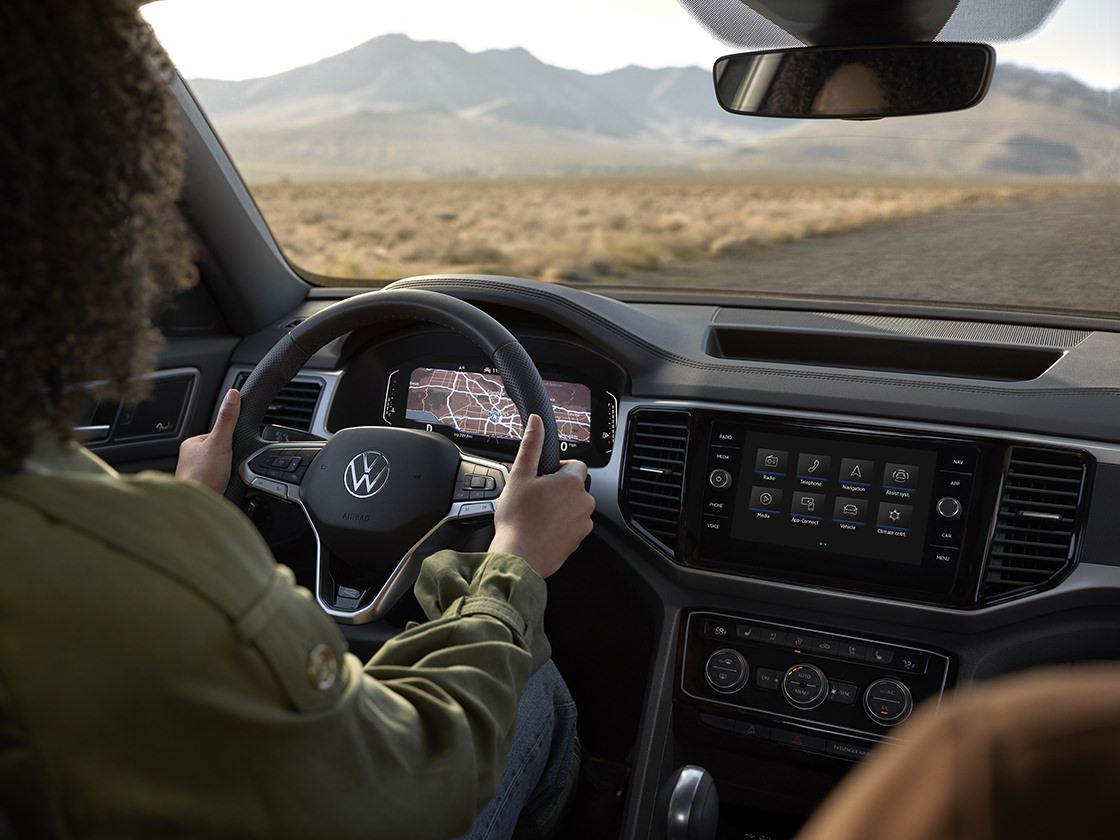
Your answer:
<point x="586" y="147"/>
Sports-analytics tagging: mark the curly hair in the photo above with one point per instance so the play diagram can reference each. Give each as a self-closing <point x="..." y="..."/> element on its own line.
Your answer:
<point x="91" y="240"/>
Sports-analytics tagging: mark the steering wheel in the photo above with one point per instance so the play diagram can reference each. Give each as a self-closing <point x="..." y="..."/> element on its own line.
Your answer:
<point x="377" y="497"/>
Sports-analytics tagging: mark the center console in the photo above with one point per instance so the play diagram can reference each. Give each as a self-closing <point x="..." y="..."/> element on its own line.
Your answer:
<point x="771" y="694"/>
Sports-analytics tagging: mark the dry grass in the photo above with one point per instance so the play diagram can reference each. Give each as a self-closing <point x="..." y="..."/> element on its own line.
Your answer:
<point x="575" y="230"/>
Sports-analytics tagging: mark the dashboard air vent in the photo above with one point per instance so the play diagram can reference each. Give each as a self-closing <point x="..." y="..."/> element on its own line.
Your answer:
<point x="294" y="406"/>
<point x="1037" y="525"/>
<point x="653" y="480"/>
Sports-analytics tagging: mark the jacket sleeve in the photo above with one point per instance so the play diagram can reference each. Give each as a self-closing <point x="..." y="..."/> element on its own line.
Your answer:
<point x="449" y="687"/>
<point x="419" y="735"/>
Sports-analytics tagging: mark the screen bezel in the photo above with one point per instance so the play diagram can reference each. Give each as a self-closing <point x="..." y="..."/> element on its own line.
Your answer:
<point x="928" y="582"/>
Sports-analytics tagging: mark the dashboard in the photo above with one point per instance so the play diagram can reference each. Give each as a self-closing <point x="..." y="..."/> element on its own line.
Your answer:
<point x="762" y="617"/>
<point x="811" y="547"/>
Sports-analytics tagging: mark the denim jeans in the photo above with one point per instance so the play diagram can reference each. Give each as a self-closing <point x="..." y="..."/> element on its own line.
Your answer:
<point x="542" y="766"/>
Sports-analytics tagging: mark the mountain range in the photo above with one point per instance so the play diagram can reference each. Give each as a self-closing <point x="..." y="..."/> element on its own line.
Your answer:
<point x="398" y="108"/>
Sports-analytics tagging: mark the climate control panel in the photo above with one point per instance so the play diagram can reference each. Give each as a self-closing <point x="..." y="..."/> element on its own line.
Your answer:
<point x="808" y="680"/>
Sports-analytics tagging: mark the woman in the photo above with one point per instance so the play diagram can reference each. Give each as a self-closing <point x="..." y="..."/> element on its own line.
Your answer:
<point x="160" y="675"/>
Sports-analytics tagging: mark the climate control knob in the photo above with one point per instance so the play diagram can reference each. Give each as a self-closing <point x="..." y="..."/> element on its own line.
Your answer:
<point x="805" y="686"/>
<point x="888" y="702"/>
<point x="726" y="671"/>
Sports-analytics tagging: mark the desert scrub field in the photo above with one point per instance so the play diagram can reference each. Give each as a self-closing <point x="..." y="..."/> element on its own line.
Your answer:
<point x="573" y="230"/>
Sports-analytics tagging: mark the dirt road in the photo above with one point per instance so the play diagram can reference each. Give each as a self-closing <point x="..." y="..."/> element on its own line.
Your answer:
<point x="1059" y="252"/>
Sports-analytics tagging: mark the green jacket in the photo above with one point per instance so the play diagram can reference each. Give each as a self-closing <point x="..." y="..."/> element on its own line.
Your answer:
<point x="162" y="676"/>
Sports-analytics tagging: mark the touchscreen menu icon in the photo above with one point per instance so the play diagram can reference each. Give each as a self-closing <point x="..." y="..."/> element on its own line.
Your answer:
<point x="771" y="462"/>
<point x="850" y="510"/>
<point x="900" y="481"/>
<point x="900" y="476"/>
<point x="815" y="467"/>
<point x="766" y="500"/>
<point x="807" y="506"/>
<point x="893" y="517"/>
<point x="857" y="475"/>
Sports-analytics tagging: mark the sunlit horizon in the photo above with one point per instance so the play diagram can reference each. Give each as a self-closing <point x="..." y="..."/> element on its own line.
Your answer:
<point x="1077" y="41"/>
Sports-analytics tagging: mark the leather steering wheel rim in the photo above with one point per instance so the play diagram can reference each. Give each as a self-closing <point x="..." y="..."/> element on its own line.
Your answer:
<point x="287" y="357"/>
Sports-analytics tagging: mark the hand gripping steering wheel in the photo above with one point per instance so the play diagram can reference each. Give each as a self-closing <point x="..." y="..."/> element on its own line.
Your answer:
<point x="376" y="497"/>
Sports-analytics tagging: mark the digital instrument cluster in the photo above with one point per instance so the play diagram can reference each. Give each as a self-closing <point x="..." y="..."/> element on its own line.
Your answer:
<point x="469" y="404"/>
<point x="438" y="381"/>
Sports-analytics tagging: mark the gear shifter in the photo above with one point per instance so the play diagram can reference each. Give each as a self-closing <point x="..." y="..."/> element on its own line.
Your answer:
<point x="693" y="805"/>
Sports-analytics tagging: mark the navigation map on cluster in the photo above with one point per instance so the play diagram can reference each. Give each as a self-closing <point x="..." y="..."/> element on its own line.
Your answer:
<point x="476" y="403"/>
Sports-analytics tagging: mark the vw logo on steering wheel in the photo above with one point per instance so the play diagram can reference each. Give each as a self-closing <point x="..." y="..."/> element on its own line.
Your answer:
<point x="366" y="474"/>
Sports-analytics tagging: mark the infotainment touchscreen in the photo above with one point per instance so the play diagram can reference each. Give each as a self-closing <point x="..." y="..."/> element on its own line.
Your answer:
<point x="843" y="498"/>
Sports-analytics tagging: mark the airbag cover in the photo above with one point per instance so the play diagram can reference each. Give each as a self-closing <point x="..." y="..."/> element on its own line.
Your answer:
<point x="374" y="492"/>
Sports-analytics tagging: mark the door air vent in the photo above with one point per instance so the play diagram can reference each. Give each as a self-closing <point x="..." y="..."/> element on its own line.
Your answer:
<point x="653" y="475"/>
<point x="294" y="405"/>
<point x="1038" y="523"/>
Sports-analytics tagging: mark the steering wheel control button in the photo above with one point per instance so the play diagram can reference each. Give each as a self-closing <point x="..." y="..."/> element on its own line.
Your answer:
<point x="805" y="686"/>
<point x="726" y="671"/>
<point x="322" y="667"/>
<point x="888" y="702"/>
<point x="283" y="464"/>
<point x="949" y="508"/>
<point x="476" y="509"/>
<point x="348" y="598"/>
<point x="476" y="481"/>
<point x="720" y="479"/>
<point x="267" y="485"/>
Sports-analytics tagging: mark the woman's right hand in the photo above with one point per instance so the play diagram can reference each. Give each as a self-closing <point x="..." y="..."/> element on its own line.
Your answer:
<point x="542" y="518"/>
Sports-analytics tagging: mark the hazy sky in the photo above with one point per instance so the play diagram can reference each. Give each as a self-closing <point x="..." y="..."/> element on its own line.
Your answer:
<point x="240" y="39"/>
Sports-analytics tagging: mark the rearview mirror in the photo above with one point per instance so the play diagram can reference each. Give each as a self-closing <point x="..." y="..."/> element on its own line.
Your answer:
<point x="855" y="82"/>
